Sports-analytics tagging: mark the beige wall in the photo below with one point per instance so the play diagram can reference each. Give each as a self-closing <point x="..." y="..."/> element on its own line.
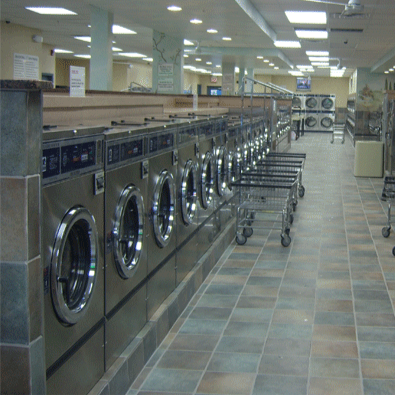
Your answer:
<point x="140" y="73"/>
<point x="18" y="39"/>
<point x="63" y="70"/>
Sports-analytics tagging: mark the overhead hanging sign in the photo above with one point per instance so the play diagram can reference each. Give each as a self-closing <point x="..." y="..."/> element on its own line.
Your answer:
<point x="77" y="81"/>
<point x="25" y="67"/>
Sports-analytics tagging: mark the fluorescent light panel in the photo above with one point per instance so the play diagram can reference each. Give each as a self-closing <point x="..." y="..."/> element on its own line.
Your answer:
<point x="319" y="59"/>
<point x="196" y="21"/>
<point x="319" y="63"/>
<point x="227" y="38"/>
<point x="83" y="56"/>
<point x="295" y="73"/>
<point x="212" y="31"/>
<point x="148" y="59"/>
<point x="116" y="29"/>
<point x="188" y="42"/>
<point x="287" y="44"/>
<point x="58" y="50"/>
<point x="217" y="74"/>
<point x="133" y="55"/>
<point x="317" y="53"/>
<point x="115" y="49"/>
<point x="51" y="10"/>
<point x="174" y="8"/>
<point x="87" y="39"/>
<point x="319" y="34"/>
<point x="309" y="17"/>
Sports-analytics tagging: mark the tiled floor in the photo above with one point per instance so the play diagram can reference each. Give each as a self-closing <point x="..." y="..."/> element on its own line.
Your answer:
<point x="316" y="318"/>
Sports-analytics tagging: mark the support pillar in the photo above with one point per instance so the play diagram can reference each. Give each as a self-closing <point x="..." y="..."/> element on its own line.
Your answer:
<point x="101" y="49"/>
<point x="168" y="64"/>
<point x="22" y="368"/>
<point x="250" y="85"/>
<point x="228" y="79"/>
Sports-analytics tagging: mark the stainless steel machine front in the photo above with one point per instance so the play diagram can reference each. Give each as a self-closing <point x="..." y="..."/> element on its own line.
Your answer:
<point x="72" y="251"/>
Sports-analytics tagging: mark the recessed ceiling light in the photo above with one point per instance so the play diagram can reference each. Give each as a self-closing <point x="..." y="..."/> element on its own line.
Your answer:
<point x="237" y="70"/>
<point x="133" y="55"/>
<point x="116" y="29"/>
<point x="58" y="50"/>
<point x="218" y="65"/>
<point x="317" y="53"/>
<point x="319" y="34"/>
<point x="319" y="59"/>
<point x="386" y="72"/>
<point x="209" y="63"/>
<point x="266" y="61"/>
<point x="287" y="44"/>
<point x="312" y="18"/>
<point x="212" y="31"/>
<point x="271" y="64"/>
<point x="301" y="66"/>
<point x="148" y="59"/>
<point x="196" y="21"/>
<point x="51" y="10"/>
<point x="391" y="70"/>
<point x="87" y="39"/>
<point x="186" y="56"/>
<point x="188" y="42"/>
<point x="198" y="60"/>
<point x="276" y="68"/>
<point x="115" y="49"/>
<point x="319" y="63"/>
<point x="83" y="56"/>
<point x="259" y="57"/>
<point x="295" y="73"/>
<point x="174" y="8"/>
<point x="227" y="38"/>
<point x="217" y="74"/>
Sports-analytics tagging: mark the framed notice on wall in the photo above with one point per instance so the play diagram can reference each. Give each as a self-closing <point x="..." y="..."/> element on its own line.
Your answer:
<point x="25" y="67"/>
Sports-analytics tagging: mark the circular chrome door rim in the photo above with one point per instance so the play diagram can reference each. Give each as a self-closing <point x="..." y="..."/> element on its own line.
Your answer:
<point x="188" y="208"/>
<point x="65" y="313"/>
<point x="163" y="237"/>
<point x="125" y="265"/>
<point x="207" y="184"/>
<point x="222" y="171"/>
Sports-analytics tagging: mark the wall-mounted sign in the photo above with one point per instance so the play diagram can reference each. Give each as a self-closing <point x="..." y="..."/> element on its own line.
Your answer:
<point x="77" y="81"/>
<point x="25" y="67"/>
<point x="213" y="79"/>
<point x="165" y="85"/>
<point x="165" y="69"/>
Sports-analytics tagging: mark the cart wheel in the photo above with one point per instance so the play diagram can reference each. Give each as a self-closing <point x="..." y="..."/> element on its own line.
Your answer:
<point x="393" y="251"/>
<point x="240" y="239"/>
<point x="285" y="241"/>
<point x="294" y="205"/>
<point x="287" y="231"/>
<point x="301" y="191"/>
<point x="291" y="219"/>
<point x="386" y="231"/>
<point x="342" y="141"/>
<point x="332" y="142"/>
<point x="247" y="232"/>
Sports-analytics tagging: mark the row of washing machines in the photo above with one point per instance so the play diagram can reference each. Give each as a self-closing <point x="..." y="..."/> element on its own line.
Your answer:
<point x="127" y="211"/>
<point x="318" y="111"/>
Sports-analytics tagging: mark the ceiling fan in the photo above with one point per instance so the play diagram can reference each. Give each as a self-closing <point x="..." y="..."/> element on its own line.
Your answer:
<point x="353" y="7"/>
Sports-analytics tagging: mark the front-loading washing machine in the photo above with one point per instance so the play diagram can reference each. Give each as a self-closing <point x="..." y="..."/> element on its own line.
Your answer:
<point x="312" y="122"/>
<point x="126" y="237"/>
<point x="209" y="225"/>
<point x="327" y="120"/>
<point x="328" y="102"/>
<point x="73" y="262"/>
<point x="312" y="103"/>
<point x="161" y="206"/>
<point x="187" y="198"/>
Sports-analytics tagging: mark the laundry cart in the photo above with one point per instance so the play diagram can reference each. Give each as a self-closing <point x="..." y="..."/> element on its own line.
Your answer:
<point x="338" y="132"/>
<point x="266" y="200"/>
<point x="388" y="195"/>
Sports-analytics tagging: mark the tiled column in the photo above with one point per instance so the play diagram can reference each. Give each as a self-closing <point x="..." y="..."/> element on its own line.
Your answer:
<point x="21" y="290"/>
<point x="228" y="79"/>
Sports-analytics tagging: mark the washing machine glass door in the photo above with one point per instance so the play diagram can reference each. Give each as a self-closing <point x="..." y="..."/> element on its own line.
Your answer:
<point x="327" y="103"/>
<point x="222" y="171"/>
<point x="296" y="102"/>
<point x="74" y="265"/>
<point x="188" y="193"/>
<point x="233" y="168"/>
<point x="207" y="180"/>
<point x="326" y="122"/>
<point x="163" y="209"/>
<point x="311" y="102"/>
<point x="311" y="122"/>
<point x="246" y="155"/>
<point x="128" y="231"/>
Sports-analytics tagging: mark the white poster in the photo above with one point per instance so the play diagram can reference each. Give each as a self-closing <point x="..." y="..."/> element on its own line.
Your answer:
<point x="165" y="69"/>
<point x="165" y="85"/>
<point x="77" y="81"/>
<point x="25" y="67"/>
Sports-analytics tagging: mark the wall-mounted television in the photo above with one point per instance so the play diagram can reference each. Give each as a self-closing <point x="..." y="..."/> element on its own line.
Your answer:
<point x="303" y="84"/>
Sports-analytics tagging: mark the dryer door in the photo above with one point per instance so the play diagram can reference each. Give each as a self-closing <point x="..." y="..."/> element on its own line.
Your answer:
<point x="311" y="103"/>
<point x="163" y="209"/>
<point x="188" y="193"/>
<point x="128" y="231"/>
<point x="207" y="180"/>
<point x="311" y="121"/>
<point x="327" y="122"/>
<point x="327" y="103"/>
<point x="222" y="171"/>
<point x="74" y="265"/>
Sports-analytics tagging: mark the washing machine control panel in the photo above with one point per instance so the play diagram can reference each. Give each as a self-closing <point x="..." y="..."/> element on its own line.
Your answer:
<point x="160" y="142"/>
<point x="65" y="159"/>
<point x="121" y="152"/>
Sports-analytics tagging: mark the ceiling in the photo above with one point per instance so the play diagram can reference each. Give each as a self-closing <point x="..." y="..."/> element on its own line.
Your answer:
<point x="365" y="40"/>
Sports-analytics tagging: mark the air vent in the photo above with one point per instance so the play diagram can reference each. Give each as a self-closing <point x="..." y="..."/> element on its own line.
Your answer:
<point x="346" y="30"/>
<point x="351" y="16"/>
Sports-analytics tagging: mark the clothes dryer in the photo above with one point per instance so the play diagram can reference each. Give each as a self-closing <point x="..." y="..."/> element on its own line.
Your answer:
<point x="163" y="162"/>
<point x="187" y="198"/>
<point x="312" y="122"/>
<point x="327" y="121"/>
<point x="328" y="103"/>
<point x="72" y="253"/>
<point x="312" y="103"/>
<point x="126" y="237"/>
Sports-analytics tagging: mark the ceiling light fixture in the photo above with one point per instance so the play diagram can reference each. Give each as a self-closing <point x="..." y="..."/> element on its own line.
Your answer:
<point x="259" y="57"/>
<point x="83" y="56"/>
<point x="227" y="38"/>
<point x="133" y="55"/>
<point x="186" y="56"/>
<point x="116" y="29"/>
<point x="198" y="60"/>
<point x="386" y="72"/>
<point x="115" y="49"/>
<point x="188" y="42"/>
<point x="148" y="59"/>
<point x="317" y="34"/>
<point x="391" y="70"/>
<point x="287" y="44"/>
<point x="209" y="63"/>
<point x="319" y="63"/>
<point x="295" y="73"/>
<point x="196" y="21"/>
<point x="319" y="59"/>
<point x="58" y="50"/>
<point x="266" y="61"/>
<point x="276" y="68"/>
<point x="217" y="74"/>
<point x="237" y="70"/>
<point x="87" y="39"/>
<point x="271" y="64"/>
<point x="317" y="53"/>
<point x="174" y="8"/>
<point x="51" y="10"/>
<point x="309" y="17"/>
<point x="218" y="66"/>
<point x="212" y="31"/>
